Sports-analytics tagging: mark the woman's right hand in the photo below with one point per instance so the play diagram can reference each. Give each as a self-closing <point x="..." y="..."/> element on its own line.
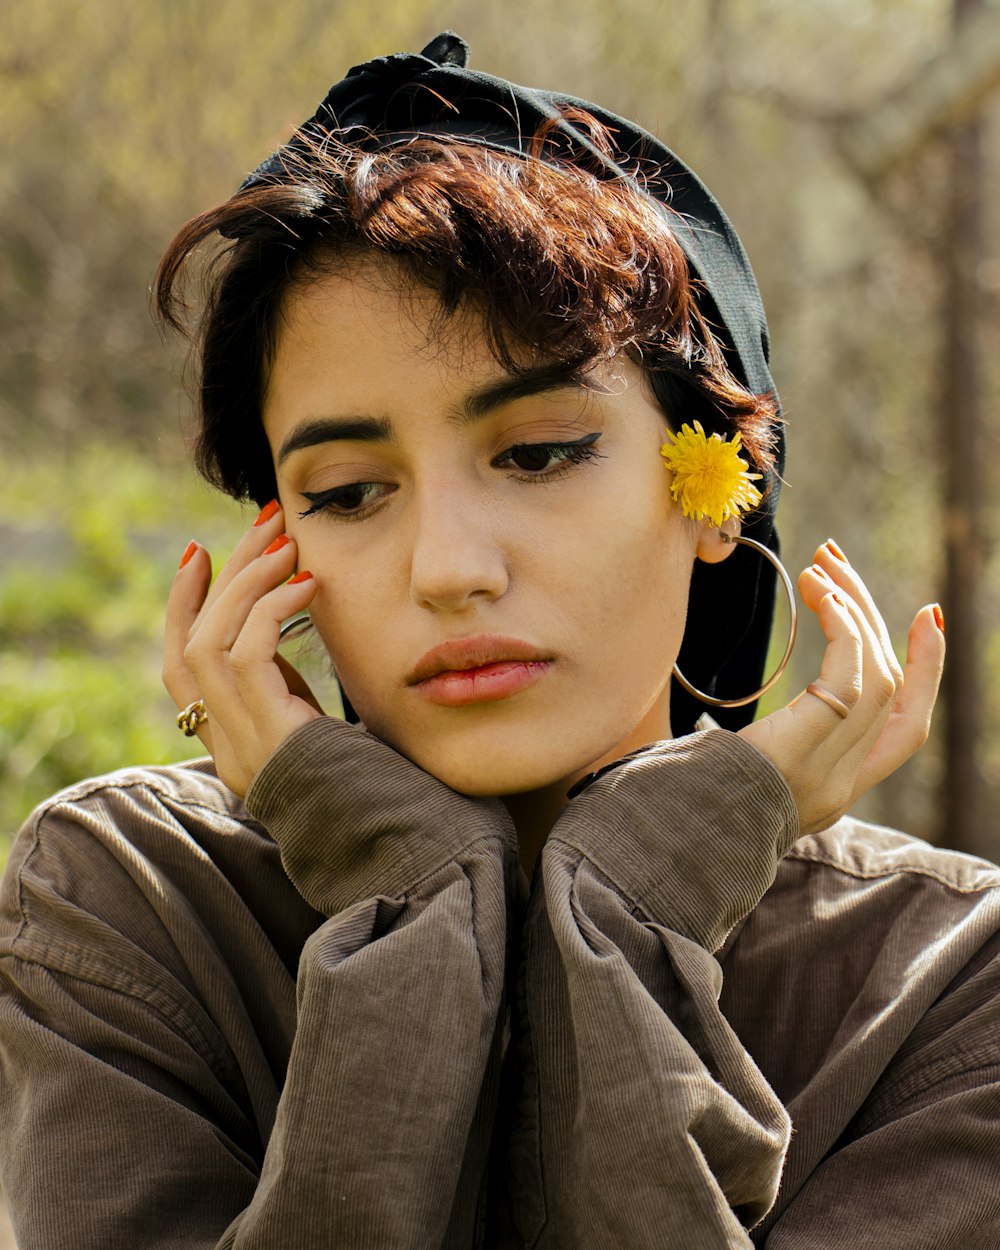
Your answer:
<point x="221" y="646"/>
<point x="830" y="760"/>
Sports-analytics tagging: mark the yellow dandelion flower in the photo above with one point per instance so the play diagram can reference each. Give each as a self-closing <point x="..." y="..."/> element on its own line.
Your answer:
<point x="710" y="476"/>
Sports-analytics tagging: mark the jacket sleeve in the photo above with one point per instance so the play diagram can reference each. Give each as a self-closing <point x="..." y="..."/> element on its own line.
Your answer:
<point x="119" y="1126"/>
<point x="643" y="1121"/>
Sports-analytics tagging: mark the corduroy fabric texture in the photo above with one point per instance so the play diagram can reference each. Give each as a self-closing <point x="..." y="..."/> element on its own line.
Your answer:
<point x="347" y="1019"/>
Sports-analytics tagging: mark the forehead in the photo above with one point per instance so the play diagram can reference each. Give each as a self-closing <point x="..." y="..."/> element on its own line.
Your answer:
<point x="365" y="337"/>
<point x="365" y="309"/>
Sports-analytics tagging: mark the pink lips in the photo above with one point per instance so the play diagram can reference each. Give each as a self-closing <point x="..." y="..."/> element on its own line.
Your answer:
<point x="477" y="669"/>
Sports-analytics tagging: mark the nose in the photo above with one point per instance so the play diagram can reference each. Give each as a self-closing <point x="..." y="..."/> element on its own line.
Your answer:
<point x="457" y="556"/>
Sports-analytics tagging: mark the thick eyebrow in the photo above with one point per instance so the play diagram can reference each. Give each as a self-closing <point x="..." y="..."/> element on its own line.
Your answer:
<point x="476" y="406"/>
<point x="487" y="399"/>
<point x="329" y="429"/>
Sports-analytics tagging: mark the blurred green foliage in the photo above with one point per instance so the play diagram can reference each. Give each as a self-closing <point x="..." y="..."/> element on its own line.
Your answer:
<point x="92" y="541"/>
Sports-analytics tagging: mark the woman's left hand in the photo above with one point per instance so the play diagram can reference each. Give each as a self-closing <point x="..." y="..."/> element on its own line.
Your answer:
<point x="830" y="760"/>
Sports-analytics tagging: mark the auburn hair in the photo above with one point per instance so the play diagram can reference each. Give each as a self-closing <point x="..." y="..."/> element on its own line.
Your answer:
<point x="565" y="266"/>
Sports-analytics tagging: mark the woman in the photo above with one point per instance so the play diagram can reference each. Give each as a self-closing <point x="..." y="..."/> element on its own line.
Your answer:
<point x="515" y="958"/>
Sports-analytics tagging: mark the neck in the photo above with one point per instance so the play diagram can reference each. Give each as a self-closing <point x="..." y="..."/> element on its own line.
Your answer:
<point x="534" y="812"/>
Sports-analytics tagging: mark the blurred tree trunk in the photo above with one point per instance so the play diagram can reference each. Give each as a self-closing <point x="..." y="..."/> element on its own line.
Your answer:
<point x="962" y="444"/>
<point x="945" y="100"/>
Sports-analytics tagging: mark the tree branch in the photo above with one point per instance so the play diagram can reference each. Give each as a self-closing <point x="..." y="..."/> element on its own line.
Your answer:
<point x="946" y="92"/>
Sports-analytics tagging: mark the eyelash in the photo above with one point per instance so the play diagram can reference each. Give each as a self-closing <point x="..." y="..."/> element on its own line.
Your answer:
<point x="572" y="455"/>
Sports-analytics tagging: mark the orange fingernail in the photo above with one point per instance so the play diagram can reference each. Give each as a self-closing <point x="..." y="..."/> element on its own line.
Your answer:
<point x="837" y="599"/>
<point x="189" y="551"/>
<point x="821" y="572"/>
<point x="304" y="576"/>
<point x="268" y="511"/>
<point x="278" y="543"/>
<point x="835" y="551"/>
<point x="939" y="617"/>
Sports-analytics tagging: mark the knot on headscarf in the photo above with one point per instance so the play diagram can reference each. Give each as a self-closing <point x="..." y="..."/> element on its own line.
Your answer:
<point x="378" y="95"/>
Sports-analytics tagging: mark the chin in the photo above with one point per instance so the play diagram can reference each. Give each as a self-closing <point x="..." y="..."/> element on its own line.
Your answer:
<point x="497" y="764"/>
<point x="485" y="780"/>
<point x="518" y="751"/>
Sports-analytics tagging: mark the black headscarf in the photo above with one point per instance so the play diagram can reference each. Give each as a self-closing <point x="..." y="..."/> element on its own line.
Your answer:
<point x="391" y="99"/>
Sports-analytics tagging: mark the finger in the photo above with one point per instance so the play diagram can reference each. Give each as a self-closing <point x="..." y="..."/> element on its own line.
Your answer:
<point x="268" y="526"/>
<point x="841" y="670"/>
<point x="880" y="691"/>
<point x="831" y="559"/>
<point x="907" y="727"/>
<point x="187" y="594"/>
<point x="264" y="688"/>
<point x="193" y="592"/>
<point x="879" y="680"/>
<point x="224" y="617"/>
<point x="266" y="709"/>
<point x="854" y="673"/>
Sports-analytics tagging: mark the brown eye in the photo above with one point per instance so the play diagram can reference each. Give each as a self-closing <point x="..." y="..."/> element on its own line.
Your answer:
<point x="349" y="497"/>
<point x="534" y="458"/>
<point x="531" y="458"/>
<point x="354" y="500"/>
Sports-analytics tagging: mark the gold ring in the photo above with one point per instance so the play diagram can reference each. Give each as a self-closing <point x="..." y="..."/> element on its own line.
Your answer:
<point x="192" y="716"/>
<point x="831" y="700"/>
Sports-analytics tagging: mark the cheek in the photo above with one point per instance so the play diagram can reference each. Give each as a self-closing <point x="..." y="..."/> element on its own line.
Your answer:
<point x="350" y="603"/>
<point x="645" y="605"/>
<point x="349" y="615"/>
<point x="639" y="569"/>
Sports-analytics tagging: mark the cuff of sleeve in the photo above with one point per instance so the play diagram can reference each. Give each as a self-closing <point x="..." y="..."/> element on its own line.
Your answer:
<point x="353" y="818"/>
<point x="690" y="832"/>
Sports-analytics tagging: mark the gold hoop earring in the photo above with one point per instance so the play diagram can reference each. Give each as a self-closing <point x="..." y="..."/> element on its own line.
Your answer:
<point x="793" y="625"/>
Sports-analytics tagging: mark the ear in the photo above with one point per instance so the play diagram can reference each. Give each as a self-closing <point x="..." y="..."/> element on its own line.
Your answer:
<point x="712" y="545"/>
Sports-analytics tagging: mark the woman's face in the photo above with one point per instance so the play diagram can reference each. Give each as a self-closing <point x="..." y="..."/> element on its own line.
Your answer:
<point x="425" y="495"/>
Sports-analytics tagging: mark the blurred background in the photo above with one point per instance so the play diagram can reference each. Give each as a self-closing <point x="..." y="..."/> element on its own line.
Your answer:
<point x="854" y="143"/>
